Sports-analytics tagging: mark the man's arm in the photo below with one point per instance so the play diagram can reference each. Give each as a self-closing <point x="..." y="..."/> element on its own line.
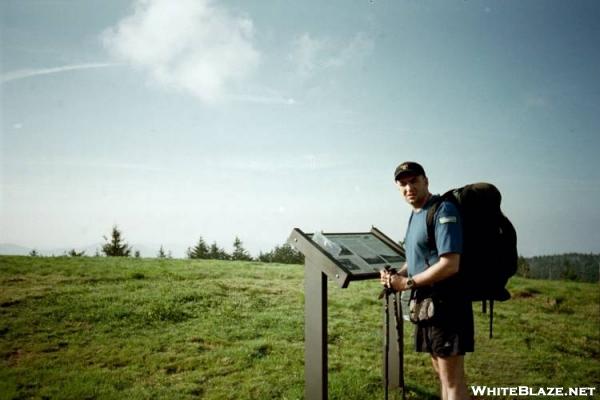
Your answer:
<point x="447" y="266"/>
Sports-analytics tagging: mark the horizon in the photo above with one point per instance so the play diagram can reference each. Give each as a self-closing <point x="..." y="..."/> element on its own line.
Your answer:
<point x="151" y="250"/>
<point x="175" y="120"/>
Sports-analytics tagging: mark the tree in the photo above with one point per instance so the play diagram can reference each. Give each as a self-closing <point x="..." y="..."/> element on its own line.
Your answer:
<point x="582" y="267"/>
<point x="137" y="254"/>
<point x="33" y="253"/>
<point x="74" y="253"/>
<point x="115" y="247"/>
<point x="239" y="253"/>
<point x="568" y="272"/>
<point x="523" y="267"/>
<point x="161" y="252"/>
<point x="199" y="251"/>
<point x="217" y="253"/>
<point x="284" y="254"/>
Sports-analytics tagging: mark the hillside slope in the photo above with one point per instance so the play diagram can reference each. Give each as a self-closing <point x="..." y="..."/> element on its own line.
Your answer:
<point x="112" y="328"/>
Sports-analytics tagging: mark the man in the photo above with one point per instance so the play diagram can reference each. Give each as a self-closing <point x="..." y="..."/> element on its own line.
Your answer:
<point x="449" y="334"/>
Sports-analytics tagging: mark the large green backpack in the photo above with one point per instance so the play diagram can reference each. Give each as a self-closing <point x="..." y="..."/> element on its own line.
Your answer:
<point x="489" y="256"/>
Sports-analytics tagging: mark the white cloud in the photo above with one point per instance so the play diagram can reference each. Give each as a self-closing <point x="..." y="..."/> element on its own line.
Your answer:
<point x="31" y="72"/>
<point x="190" y="45"/>
<point x="310" y="54"/>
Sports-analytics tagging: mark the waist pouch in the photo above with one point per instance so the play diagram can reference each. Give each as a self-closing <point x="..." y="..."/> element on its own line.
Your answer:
<point x="421" y="307"/>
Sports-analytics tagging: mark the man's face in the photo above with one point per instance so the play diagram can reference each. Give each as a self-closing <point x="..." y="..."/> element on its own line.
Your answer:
<point x="415" y="189"/>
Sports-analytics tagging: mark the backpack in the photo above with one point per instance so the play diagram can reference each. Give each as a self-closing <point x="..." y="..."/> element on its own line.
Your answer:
<point x="489" y="256"/>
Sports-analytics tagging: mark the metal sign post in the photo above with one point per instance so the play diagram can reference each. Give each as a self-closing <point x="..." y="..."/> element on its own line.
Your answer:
<point x="315" y="334"/>
<point x="343" y="257"/>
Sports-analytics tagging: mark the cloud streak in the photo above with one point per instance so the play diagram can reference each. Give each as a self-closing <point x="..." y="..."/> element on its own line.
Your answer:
<point x="311" y="55"/>
<point x="32" y="72"/>
<point x="79" y="163"/>
<point x="192" y="46"/>
<point x="283" y="163"/>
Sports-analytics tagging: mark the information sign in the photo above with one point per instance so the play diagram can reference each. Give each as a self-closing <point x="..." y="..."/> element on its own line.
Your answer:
<point x="359" y="253"/>
<point x="344" y="257"/>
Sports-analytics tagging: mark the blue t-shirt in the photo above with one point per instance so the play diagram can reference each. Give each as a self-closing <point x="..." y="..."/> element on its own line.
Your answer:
<point x="448" y="236"/>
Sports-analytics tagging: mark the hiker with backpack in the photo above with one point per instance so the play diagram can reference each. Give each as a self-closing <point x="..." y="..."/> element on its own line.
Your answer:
<point x="441" y="311"/>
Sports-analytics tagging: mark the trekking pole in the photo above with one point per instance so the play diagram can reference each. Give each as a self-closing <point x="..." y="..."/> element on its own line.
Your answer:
<point x="491" y="316"/>
<point x="386" y="343"/>
<point x="400" y="339"/>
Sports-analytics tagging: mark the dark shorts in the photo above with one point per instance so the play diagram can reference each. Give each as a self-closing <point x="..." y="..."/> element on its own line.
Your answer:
<point x="450" y="333"/>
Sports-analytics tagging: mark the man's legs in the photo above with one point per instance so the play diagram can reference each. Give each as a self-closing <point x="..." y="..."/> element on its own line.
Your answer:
<point x="451" y="371"/>
<point x="434" y="362"/>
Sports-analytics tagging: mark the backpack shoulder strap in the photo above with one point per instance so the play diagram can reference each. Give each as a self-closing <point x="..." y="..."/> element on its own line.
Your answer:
<point x="430" y="220"/>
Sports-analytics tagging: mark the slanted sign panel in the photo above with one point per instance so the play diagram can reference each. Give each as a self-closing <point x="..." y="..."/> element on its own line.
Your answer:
<point x="359" y="253"/>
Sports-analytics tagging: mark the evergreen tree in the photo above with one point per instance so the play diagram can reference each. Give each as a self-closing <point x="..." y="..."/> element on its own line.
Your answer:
<point x="33" y="253"/>
<point x="522" y="267"/>
<point x="115" y="247"/>
<point x="74" y="253"/>
<point x="137" y="254"/>
<point x="213" y="251"/>
<point x="284" y="254"/>
<point x="161" y="253"/>
<point x="573" y="266"/>
<point x="265" y="257"/>
<point x="200" y="250"/>
<point x="217" y="253"/>
<point x="239" y="253"/>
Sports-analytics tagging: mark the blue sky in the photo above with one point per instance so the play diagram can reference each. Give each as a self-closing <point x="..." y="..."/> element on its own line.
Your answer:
<point x="222" y="118"/>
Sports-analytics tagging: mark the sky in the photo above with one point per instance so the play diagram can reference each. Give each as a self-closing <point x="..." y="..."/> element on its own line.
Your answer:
<point x="180" y="119"/>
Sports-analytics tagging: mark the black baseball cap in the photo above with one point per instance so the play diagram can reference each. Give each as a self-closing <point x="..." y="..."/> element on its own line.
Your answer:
<point x="408" y="168"/>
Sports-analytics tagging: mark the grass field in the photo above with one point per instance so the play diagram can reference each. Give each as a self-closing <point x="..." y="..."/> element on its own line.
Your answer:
<point x="114" y="328"/>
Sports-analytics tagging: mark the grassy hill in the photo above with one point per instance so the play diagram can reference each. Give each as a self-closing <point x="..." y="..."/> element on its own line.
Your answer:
<point x="109" y="328"/>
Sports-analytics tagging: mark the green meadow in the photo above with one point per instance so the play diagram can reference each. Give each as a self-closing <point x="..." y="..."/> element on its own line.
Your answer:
<point x="115" y="328"/>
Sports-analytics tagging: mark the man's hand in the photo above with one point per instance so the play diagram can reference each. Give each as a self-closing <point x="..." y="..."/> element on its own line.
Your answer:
<point x="393" y="280"/>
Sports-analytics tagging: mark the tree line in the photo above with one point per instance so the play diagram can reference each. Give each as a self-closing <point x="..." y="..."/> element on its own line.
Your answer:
<point x="116" y="246"/>
<point x="570" y="266"/>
